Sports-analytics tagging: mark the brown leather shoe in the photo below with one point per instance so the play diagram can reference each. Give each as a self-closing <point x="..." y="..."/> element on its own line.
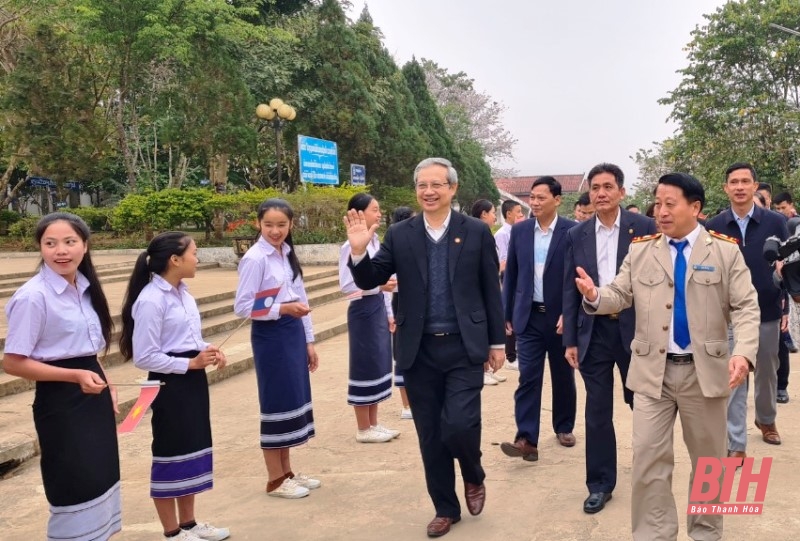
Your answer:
<point x="439" y="526"/>
<point x="567" y="439"/>
<point x="738" y="454"/>
<point x="521" y="448"/>
<point x="475" y="496"/>
<point x="769" y="433"/>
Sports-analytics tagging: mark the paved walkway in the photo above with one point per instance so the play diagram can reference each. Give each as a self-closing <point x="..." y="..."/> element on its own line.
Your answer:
<point x="373" y="492"/>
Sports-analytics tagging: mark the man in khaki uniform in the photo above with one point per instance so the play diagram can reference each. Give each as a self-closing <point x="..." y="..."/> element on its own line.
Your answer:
<point x="687" y="285"/>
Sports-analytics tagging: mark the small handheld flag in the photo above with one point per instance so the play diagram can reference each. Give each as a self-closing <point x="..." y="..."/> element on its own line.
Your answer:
<point x="264" y="301"/>
<point x="150" y="389"/>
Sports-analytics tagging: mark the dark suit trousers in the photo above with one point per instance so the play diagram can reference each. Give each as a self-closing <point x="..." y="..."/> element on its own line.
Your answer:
<point x="511" y="347"/>
<point x="783" y="368"/>
<point x="597" y="369"/>
<point x="536" y="341"/>
<point x="444" y="390"/>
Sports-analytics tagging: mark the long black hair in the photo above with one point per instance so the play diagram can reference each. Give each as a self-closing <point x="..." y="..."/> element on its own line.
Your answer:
<point x="86" y="267"/>
<point x="283" y="206"/>
<point x="480" y="206"/>
<point x="360" y="201"/>
<point x="154" y="260"/>
<point x="402" y="213"/>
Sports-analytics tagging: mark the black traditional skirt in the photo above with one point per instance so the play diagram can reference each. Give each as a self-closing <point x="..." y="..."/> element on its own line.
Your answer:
<point x="79" y="456"/>
<point x="284" y="386"/>
<point x="370" y="378"/>
<point x="182" y="458"/>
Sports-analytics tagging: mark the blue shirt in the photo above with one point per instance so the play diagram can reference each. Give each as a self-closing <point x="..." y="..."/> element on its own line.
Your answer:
<point x="541" y="244"/>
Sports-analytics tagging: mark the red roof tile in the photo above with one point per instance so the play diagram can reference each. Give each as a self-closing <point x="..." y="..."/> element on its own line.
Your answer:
<point x="521" y="186"/>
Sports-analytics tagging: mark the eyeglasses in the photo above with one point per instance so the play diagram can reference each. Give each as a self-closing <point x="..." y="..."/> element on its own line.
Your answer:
<point x="433" y="186"/>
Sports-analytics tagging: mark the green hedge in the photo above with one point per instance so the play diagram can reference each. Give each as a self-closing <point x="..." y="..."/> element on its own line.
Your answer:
<point x="318" y="212"/>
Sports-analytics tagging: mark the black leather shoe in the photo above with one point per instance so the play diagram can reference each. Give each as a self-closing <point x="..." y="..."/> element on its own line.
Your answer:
<point x="596" y="502"/>
<point x="783" y="397"/>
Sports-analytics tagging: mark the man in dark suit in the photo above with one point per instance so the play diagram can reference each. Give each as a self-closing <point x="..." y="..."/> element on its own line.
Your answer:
<point x="533" y="311"/>
<point x="449" y="325"/>
<point x="595" y="344"/>
<point x="751" y="225"/>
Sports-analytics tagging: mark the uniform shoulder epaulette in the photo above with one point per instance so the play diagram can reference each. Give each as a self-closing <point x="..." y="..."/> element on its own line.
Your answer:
<point x="643" y="238"/>
<point x="723" y="237"/>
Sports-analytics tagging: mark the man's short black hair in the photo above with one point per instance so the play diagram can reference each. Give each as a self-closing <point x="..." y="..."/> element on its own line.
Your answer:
<point x="583" y="200"/>
<point x="507" y="206"/>
<point x="783" y="197"/>
<point x="765" y="186"/>
<point x="552" y="184"/>
<point x="690" y="186"/>
<point x="740" y="165"/>
<point x="632" y="206"/>
<point x="607" y="168"/>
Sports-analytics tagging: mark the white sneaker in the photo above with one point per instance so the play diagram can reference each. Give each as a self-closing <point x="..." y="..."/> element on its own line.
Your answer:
<point x="499" y="377"/>
<point x="371" y="435"/>
<point x="289" y="489"/>
<point x="209" y="532"/>
<point x="512" y="365"/>
<point x="392" y="432"/>
<point x="305" y="481"/>
<point x="405" y="413"/>
<point x="488" y="379"/>
<point x="185" y="535"/>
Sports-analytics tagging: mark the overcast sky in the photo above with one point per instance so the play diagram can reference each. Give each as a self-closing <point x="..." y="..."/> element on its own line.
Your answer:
<point x="580" y="78"/>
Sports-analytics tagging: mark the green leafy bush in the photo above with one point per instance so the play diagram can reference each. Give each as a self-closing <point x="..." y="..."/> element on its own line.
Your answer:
<point x="24" y="228"/>
<point x="8" y="217"/>
<point x="98" y="219"/>
<point x="130" y="214"/>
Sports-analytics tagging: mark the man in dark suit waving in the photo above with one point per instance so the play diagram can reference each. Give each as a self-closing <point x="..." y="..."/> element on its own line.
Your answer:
<point x="532" y="302"/>
<point x="595" y="344"/>
<point x="449" y="324"/>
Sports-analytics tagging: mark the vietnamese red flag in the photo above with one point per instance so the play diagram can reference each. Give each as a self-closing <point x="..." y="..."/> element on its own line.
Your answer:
<point x="146" y="396"/>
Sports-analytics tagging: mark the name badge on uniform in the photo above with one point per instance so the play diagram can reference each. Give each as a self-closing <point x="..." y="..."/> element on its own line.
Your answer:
<point x="703" y="268"/>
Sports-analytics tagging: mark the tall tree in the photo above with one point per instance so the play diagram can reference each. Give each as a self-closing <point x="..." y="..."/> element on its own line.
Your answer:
<point x="739" y="98"/>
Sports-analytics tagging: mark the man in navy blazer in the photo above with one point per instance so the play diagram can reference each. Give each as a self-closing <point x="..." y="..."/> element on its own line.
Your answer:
<point x="449" y="325"/>
<point x="532" y="299"/>
<point x="595" y="344"/>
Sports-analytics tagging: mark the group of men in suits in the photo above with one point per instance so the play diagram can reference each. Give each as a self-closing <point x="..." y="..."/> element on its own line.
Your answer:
<point x="549" y="299"/>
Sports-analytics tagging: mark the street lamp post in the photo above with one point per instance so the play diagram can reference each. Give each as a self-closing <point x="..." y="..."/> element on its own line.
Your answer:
<point x="277" y="113"/>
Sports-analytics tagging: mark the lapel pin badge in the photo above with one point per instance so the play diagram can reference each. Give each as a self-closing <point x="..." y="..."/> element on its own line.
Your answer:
<point x="630" y="231"/>
<point x="458" y="240"/>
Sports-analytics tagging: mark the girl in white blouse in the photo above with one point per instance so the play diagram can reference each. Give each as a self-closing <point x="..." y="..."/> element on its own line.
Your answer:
<point x="283" y="345"/>
<point x="57" y="323"/>
<point x="161" y="332"/>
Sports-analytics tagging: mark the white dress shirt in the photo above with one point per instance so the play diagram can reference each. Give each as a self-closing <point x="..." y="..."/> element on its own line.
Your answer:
<point x="49" y="319"/>
<point x="263" y="267"/>
<point x="672" y="347"/>
<point x="607" y="243"/>
<point x="166" y="319"/>
<point x="501" y="240"/>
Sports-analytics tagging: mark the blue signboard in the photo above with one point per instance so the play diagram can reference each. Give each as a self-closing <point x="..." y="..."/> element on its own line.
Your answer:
<point x="358" y="174"/>
<point x="319" y="160"/>
<point x="73" y="185"/>
<point x="40" y="182"/>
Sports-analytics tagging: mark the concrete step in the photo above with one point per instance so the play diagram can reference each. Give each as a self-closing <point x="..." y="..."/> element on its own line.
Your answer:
<point x="217" y="319"/>
<point x="110" y="277"/>
<point x="99" y="267"/>
<point x="18" y="441"/>
<point x="212" y="284"/>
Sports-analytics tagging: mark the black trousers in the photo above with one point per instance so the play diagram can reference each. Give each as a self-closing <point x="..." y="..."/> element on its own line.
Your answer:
<point x="533" y="344"/>
<point x="783" y="368"/>
<point x="597" y="369"/>
<point x="444" y="390"/>
<point x="511" y="347"/>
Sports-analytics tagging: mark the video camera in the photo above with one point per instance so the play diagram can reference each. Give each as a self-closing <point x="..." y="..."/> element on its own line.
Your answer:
<point x="787" y="251"/>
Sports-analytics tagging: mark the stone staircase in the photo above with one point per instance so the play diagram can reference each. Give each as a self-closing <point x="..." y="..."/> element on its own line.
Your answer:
<point x="214" y="289"/>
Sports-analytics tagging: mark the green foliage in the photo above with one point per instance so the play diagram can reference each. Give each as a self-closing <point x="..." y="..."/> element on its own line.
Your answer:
<point x="739" y="99"/>
<point x="171" y="209"/>
<point x="131" y="214"/>
<point x="98" y="219"/>
<point x="8" y="217"/>
<point x="24" y="228"/>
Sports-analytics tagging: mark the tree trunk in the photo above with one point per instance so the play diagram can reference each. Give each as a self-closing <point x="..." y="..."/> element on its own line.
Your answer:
<point x="218" y="173"/>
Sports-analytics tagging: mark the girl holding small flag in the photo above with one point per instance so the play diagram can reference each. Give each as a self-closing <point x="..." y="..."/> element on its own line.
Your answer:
<point x="369" y="320"/>
<point x="57" y="323"/>
<point x="272" y="294"/>
<point x="161" y="332"/>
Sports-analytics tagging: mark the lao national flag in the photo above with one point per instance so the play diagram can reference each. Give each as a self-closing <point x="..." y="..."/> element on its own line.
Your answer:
<point x="146" y="396"/>
<point x="264" y="301"/>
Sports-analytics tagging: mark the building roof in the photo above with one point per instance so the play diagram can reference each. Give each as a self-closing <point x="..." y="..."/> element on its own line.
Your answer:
<point x="521" y="186"/>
